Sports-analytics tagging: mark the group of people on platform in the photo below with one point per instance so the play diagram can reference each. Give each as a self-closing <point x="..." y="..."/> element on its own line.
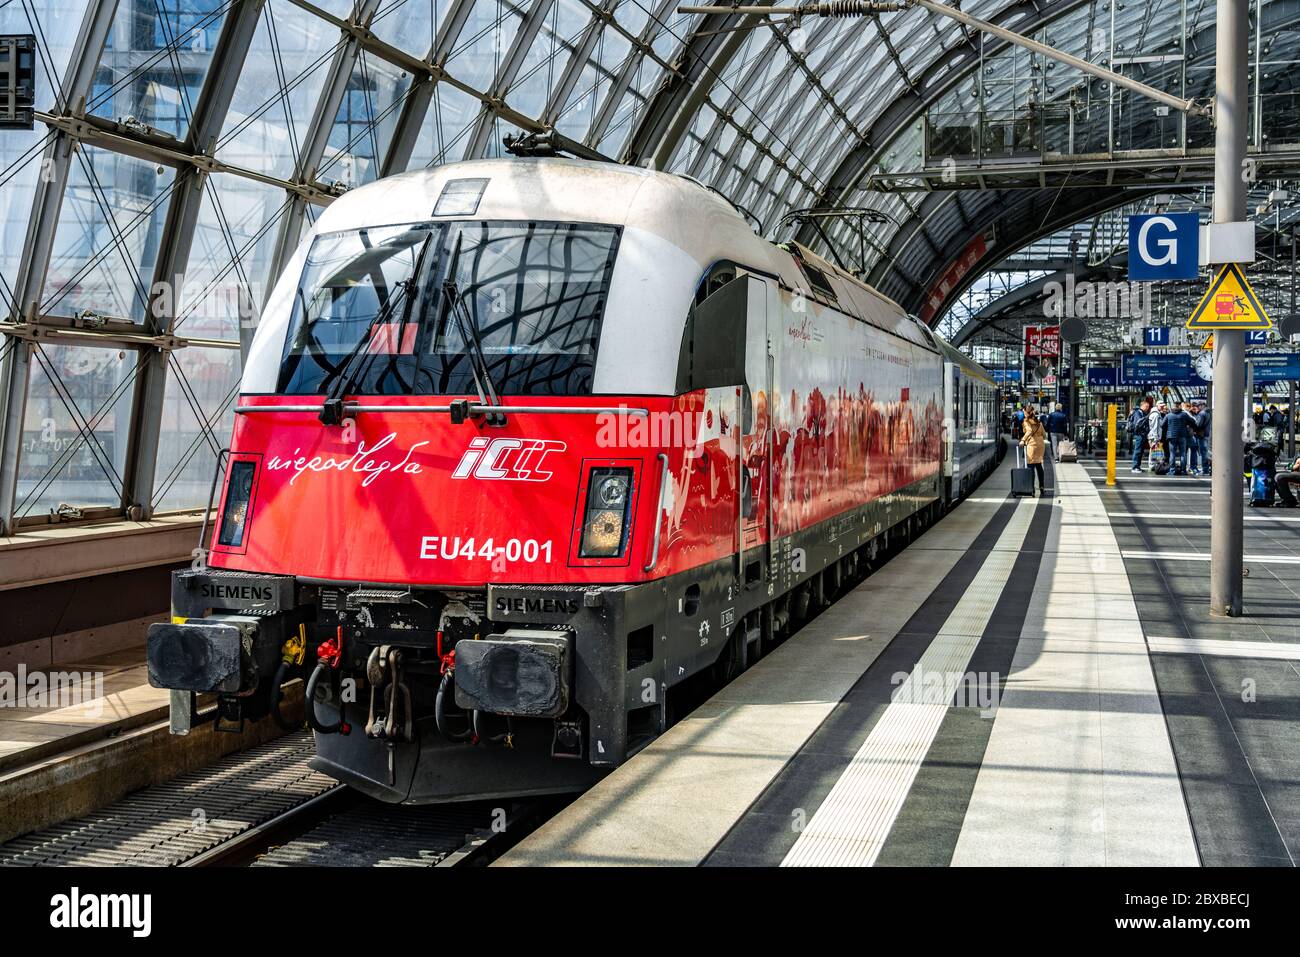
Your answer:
<point x="1179" y="433"/>
<point x="1177" y="439"/>
<point x="1273" y="417"/>
<point x="1173" y="438"/>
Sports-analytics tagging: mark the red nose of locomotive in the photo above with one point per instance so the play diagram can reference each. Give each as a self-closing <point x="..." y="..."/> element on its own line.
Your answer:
<point x="415" y="498"/>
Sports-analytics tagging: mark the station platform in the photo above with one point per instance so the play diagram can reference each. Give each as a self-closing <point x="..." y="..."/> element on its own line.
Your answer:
<point x="60" y="706"/>
<point x="1031" y="682"/>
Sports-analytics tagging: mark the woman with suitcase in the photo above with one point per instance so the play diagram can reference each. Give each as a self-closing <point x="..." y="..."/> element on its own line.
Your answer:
<point x="1034" y="442"/>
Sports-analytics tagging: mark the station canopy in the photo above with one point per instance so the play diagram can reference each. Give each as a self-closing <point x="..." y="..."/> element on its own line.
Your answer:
<point x="199" y="138"/>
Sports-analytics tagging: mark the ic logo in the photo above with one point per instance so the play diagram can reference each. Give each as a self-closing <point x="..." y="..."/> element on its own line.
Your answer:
<point x="511" y="460"/>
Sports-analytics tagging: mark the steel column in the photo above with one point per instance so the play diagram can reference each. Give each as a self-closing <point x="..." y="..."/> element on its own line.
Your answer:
<point x="415" y="109"/>
<point x="174" y="252"/>
<point x="38" y="245"/>
<point x="513" y="61"/>
<point x="1230" y="197"/>
<point x="317" y="136"/>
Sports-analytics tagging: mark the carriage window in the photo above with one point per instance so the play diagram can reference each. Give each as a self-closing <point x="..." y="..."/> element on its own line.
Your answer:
<point x="713" y="344"/>
<point x="718" y="277"/>
<point x="371" y="316"/>
<point x="818" y="280"/>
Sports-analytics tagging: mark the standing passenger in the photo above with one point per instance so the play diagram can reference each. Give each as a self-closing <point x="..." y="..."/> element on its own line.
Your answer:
<point x="1196" y="443"/>
<point x="1180" y="427"/>
<point x="1203" y="422"/>
<point x="1138" y="428"/>
<point x="1155" y="431"/>
<point x="1056" y="426"/>
<point x="1035" y="443"/>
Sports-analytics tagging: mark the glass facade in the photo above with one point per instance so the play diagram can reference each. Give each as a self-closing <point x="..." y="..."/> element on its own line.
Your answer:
<point x="189" y="143"/>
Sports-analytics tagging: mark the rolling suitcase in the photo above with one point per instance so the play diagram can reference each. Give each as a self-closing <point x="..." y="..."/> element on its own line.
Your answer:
<point x="1261" y="489"/>
<point x="1068" y="451"/>
<point x="1022" y="476"/>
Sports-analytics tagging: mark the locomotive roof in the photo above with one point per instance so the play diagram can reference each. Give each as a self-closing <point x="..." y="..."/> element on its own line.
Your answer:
<point x="556" y="189"/>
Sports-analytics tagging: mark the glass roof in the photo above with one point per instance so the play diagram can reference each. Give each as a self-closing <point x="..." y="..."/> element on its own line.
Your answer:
<point x="199" y="138"/>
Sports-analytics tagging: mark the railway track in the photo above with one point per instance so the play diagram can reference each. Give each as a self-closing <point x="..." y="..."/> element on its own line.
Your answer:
<point x="266" y="807"/>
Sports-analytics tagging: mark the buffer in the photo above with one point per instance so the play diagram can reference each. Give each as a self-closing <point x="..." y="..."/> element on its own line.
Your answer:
<point x="1229" y="303"/>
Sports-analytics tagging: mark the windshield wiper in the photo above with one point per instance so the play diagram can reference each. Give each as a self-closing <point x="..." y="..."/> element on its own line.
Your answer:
<point x="454" y="302"/>
<point x="331" y="412"/>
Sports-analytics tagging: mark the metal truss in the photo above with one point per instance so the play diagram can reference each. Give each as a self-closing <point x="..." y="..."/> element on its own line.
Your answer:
<point x="1019" y="302"/>
<point x="194" y="160"/>
<point x="1122" y="174"/>
<point x="19" y="355"/>
<point x="1153" y="169"/>
<point x="681" y="93"/>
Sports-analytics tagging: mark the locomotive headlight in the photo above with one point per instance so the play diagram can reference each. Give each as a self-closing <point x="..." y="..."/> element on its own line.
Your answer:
<point x="612" y="491"/>
<point x="604" y="526"/>
<point x="234" y="517"/>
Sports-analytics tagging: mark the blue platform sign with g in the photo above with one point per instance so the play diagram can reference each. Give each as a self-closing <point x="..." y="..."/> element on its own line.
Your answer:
<point x="1163" y="246"/>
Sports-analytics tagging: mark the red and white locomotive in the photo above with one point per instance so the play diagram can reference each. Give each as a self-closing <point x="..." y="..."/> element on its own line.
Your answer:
<point x="522" y="445"/>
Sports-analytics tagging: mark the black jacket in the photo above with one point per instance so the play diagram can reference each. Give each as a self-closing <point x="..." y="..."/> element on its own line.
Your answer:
<point x="1179" y="425"/>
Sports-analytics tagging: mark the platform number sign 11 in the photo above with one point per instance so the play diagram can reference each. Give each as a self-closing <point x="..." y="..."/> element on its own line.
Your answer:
<point x="1155" y="336"/>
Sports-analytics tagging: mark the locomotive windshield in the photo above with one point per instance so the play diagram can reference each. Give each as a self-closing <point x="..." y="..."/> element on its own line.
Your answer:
<point x="402" y="310"/>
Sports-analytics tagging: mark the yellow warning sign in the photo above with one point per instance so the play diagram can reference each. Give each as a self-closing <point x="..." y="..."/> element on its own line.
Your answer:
<point x="1229" y="303"/>
<point x="1209" y="342"/>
